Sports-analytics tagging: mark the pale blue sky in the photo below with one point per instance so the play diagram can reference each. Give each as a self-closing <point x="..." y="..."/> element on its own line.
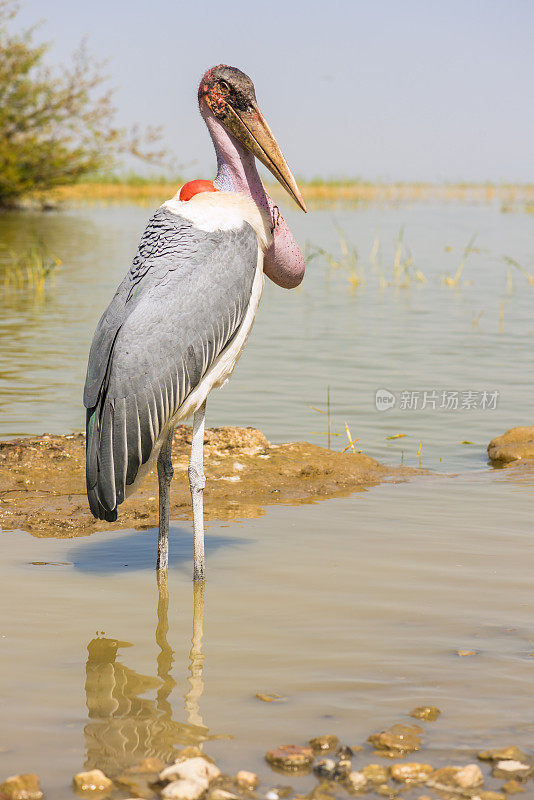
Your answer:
<point x="400" y="90"/>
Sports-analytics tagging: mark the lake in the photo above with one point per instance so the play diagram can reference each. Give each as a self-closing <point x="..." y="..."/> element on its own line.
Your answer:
<point x="353" y="610"/>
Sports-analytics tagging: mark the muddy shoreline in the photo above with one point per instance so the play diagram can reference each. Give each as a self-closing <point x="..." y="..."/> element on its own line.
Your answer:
<point x="42" y="480"/>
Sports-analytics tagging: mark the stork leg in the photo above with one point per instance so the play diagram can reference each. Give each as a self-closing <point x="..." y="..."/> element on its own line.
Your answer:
<point x="165" y="473"/>
<point x="197" y="481"/>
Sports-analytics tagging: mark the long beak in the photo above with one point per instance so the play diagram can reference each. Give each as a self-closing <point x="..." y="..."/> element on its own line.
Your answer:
<point x="251" y="129"/>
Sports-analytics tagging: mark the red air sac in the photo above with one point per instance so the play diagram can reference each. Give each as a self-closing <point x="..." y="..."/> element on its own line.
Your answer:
<point x="192" y="188"/>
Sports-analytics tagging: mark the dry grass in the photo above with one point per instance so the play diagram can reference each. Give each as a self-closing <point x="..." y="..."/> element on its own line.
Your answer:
<point x="317" y="194"/>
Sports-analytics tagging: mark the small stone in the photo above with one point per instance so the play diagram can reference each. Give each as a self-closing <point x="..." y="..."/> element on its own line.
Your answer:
<point x="411" y="773"/>
<point x="184" y="790"/>
<point x="21" y="787"/>
<point x="399" y="739"/>
<point x="375" y="774"/>
<point x="325" y="768"/>
<point x="284" y="791"/>
<point x="357" y="780"/>
<point x="469" y="777"/>
<point x="320" y="743"/>
<point x="217" y="793"/>
<point x="384" y="790"/>
<point x="466" y="652"/>
<point x="93" y="783"/>
<point x="247" y="779"/>
<point x="272" y="794"/>
<point x="197" y="769"/>
<point x="513" y="787"/>
<point x="344" y="753"/>
<point x="426" y="713"/>
<point x="511" y="753"/>
<point x="517" y="443"/>
<point x="490" y="795"/>
<point x="342" y="770"/>
<point x="511" y="769"/>
<point x="444" y="778"/>
<point x="290" y="757"/>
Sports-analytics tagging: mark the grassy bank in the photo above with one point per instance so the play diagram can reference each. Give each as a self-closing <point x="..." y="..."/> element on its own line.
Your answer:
<point x="317" y="193"/>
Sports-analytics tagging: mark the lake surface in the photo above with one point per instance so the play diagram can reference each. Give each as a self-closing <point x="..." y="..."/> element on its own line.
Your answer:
<point x="353" y="610"/>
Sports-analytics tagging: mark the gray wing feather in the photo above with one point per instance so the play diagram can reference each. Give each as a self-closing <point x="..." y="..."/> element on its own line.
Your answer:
<point x="176" y="310"/>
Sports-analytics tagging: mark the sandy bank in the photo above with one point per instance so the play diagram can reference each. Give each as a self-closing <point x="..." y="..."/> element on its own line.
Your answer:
<point x="42" y="480"/>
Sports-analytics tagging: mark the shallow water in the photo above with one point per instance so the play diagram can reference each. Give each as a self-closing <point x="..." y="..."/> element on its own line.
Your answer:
<point x="351" y="609"/>
<point x="420" y="338"/>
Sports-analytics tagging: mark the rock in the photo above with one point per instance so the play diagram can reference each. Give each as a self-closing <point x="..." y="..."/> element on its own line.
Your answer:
<point x="319" y="743"/>
<point x="375" y="774"/>
<point x="249" y="780"/>
<point x="272" y="794"/>
<point x="325" y="769"/>
<point x="93" y="783"/>
<point x="456" y="778"/>
<point x="469" y="777"/>
<point x="466" y="653"/>
<point x="290" y="757"/>
<point x="189" y="778"/>
<point x="444" y="778"/>
<point x="511" y="769"/>
<point x="511" y="753"/>
<point x="184" y="790"/>
<point x="357" y="780"/>
<point x="197" y="769"/>
<point x="426" y="713"/>
<point x="217" y="793"/>
<point x="344" y="753"/>
<point x="489" y="795"/>
<point x="399" y="739"/>
<point x="384" y="790"/>
<point x="513" y="787"/>
<point x="411" y="773"/>
<point x="21" y="787"/>
<point x="517" y="443"/>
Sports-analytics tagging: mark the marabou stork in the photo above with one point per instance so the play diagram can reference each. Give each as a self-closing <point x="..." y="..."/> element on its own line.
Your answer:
<point x="180" y="318"/>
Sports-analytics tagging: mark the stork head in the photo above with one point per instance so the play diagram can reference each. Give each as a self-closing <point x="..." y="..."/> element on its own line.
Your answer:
<point x="229" y="94"/>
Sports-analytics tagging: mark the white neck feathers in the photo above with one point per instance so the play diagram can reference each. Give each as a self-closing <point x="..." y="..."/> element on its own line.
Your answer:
<point x="223" y="211"/>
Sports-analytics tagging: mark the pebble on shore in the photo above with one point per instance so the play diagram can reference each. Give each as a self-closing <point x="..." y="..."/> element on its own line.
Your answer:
<point x="511" y="753"/>
<point x="426" y="713"/>
<point x="290" y="757"/>
<point x="21" y="787"/>
<point x="248" y="780"/>
<point x="92" y="783"/>
<point x="456" y="778"/>
<point x="411" y="773"/>
<point x="398" y="740"/>
<point x="321" y="743"/>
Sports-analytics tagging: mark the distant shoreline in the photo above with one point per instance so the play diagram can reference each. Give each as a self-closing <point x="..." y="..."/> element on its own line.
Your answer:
<point x="512" y="197"/>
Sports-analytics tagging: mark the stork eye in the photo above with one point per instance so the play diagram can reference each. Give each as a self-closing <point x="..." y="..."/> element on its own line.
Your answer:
<point x="224" y="87"/>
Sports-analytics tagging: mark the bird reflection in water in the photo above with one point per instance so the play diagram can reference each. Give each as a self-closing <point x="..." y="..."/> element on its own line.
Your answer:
<point x="125" y="726"/>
